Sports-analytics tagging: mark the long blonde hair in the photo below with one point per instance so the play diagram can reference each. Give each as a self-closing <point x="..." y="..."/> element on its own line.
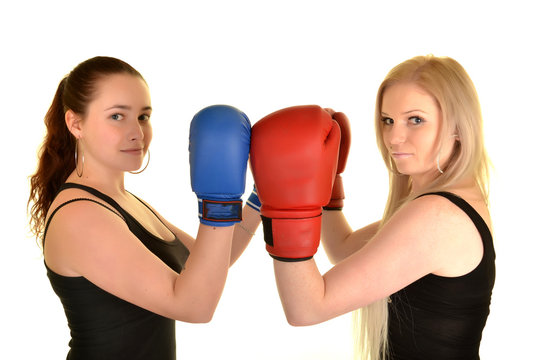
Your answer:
<point x="448" y="82"/>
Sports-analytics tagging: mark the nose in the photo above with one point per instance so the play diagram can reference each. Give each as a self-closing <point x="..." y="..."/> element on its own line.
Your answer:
<point x="136" y="131"/>
<point x="396" y="134"/>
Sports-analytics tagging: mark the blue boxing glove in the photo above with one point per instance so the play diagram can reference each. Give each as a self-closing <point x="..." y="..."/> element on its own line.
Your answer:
<point x="218" y="155"/>
<point x="253" y="200"/>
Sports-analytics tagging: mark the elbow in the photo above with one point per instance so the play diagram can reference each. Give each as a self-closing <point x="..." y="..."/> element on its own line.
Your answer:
<point x="196" y="314"/>
<point x="296" y="322"/>
<point x="299" y="320"/>
<point x="201" y="319"/>
<point x="196" y="317"/>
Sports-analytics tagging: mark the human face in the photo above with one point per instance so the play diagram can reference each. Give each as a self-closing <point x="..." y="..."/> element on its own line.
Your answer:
<point x="116" y="131"/>
<point x="411" y="124"/>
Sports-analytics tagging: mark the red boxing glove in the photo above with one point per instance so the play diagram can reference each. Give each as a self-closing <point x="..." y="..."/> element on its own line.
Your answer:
<point x="294" y="154"/>
<point x="337" y="196"/>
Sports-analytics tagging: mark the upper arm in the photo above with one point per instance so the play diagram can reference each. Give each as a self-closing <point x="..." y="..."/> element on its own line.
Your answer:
<point x="111" y="257"/>
<point x="419" y="239"/>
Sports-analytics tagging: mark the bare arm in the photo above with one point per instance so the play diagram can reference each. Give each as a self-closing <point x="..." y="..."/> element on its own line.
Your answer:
<point x="339" y="240"/>
<point x="429" y="235"/>
<point x="112" y="258"/>
<point x="199" y="288"/>
<point x="244" y="231"/>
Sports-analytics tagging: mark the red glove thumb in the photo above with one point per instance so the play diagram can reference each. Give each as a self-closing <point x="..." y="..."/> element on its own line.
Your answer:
<point x="336" y="201"/>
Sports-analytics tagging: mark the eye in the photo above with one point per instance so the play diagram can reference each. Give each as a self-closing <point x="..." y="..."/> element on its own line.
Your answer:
<point x="387" y="121"/>
<point x="416" y="120"/>
<point x="144" y="117"/>
<point x="116" y="117"/>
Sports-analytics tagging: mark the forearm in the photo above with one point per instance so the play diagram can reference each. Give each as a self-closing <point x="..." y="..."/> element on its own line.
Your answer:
<point x="338" y="238"/>
<point x="302" y="292"/>
<point x="200" y="285"/>
<point x="244" y="231"/>
<point x="334" y="233"/>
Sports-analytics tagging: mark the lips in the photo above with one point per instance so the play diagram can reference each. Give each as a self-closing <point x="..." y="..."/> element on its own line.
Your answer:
<point x="133" y="151"/>
<point x="400" y="155"/>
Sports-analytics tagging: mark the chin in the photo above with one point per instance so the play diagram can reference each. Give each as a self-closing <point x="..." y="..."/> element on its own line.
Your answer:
<point x="404" y="171"/>
<point x="414" y="170"/>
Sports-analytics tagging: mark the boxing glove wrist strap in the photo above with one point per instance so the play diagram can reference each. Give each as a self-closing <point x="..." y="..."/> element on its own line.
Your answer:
<point x="292" y="239"/>
<point x="219" y="212"/>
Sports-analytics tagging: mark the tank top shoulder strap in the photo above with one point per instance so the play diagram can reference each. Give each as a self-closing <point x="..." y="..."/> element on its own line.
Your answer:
<point x="69" y="202"/>
<point x="476" y="218"/>
<point x="96" y="193"/>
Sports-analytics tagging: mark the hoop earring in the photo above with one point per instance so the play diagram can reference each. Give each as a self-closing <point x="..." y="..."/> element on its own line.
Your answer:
<point x="82" y="160"/>
<point x="438" y="164"/>
<point x="145" y="167"/>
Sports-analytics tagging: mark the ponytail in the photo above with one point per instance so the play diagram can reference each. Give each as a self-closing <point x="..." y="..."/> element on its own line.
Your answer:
<point x="56" y="162"/>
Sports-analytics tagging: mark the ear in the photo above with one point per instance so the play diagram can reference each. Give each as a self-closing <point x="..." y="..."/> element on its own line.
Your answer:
<point x="73" y="122"/>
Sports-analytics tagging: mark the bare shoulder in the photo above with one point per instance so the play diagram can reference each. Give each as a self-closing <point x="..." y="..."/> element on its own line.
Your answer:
<point x="440" y="232"/>
<point x="72" y="197"/>
<point x="81" y="221"/>
<point x="424" y="225"/>
<point x="439" y="216"/>
<point x="432" y="212"/>
<point x="444" y="206"/>
<point x="451" y="233"/>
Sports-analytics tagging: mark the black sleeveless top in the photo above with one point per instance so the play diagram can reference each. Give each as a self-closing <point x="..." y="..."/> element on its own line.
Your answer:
<point x="103" y="326"/>
<point x="443" y="317"/>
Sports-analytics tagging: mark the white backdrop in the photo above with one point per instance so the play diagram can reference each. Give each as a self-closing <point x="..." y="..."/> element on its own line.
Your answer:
<point x="260" y="57"/>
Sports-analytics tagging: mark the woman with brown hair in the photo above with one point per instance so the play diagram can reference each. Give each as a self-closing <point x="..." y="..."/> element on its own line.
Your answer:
<point x="123" y="272"/>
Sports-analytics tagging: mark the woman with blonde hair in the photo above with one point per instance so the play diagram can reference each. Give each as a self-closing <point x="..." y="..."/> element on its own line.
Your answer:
<point x="423" y="275"/>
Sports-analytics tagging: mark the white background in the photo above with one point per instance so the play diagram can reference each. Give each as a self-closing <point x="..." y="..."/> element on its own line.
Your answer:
<point x="260" y="57"/>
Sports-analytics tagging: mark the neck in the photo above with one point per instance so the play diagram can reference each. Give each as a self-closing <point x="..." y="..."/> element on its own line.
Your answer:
<point x="422" y="181"/>
<point x="465" y="184"/>
<point x="111" y="184"/>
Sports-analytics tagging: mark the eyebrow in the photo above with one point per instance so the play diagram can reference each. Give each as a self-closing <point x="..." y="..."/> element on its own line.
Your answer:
<point x="126" y="107"/>
<point x="407" y="112"/>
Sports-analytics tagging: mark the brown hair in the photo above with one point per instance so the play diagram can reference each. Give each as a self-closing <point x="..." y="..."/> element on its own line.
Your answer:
<point x="56" y="157"/>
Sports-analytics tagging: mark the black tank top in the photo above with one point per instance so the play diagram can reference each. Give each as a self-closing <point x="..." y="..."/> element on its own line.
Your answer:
<point x="440" y="317"/>
<point x="103" y="326"/>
